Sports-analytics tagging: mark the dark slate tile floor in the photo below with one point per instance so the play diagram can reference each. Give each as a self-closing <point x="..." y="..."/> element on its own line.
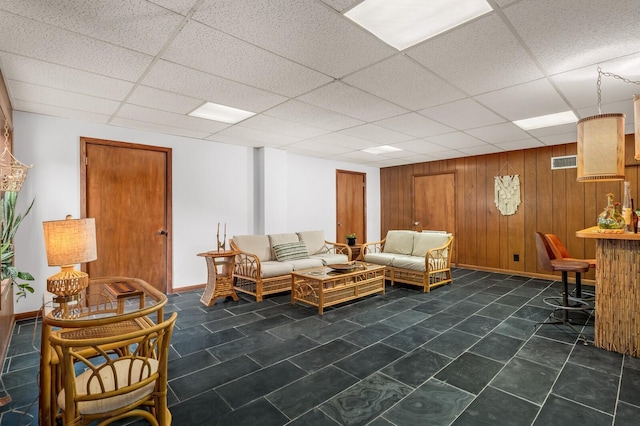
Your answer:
<point x="465" y="354"/>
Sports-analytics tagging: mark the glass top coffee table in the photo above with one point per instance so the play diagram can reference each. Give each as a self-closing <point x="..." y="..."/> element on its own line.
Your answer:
<point x="330" y="285"/>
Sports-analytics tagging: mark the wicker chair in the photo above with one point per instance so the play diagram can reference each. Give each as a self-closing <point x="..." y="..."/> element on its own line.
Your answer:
<point x="113" y="386"/>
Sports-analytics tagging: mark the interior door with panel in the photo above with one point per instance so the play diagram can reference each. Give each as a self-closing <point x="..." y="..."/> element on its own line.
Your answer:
<point x="351" y="194"/>
<point x="127" y="189"/>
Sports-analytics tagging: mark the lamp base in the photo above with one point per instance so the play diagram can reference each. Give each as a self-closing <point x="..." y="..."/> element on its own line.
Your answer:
<point x="67" y="283"/>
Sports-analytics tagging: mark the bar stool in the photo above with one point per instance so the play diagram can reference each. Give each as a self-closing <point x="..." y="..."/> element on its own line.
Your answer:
<point x="548" y="261"/>
<point x="561" y="252"/>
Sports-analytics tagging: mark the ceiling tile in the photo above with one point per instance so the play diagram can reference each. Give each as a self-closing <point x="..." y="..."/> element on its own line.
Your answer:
<point x="268" y="139"/>
<point x="197" y="84"/>
<point x="404" y="82"/>
<point x="312" y="115"/>
<point x="446" y="155"/>
<point x="29" y="38"/>
<point x="157" y="128"/>
<point x="349" y="143"/>
<point x="285" y="127"/>
<point x="163" y="118"/>
<point x="54" y="97"/>
<point x="523" y="144"/>
<point x="313" y="145"/>
<point x="206" y="49"/>
<point x="461" y="56"/>
<point x="166" y="101"/>
<point x="463" y="114"/>
<point x="576" y="32"/>
<point x="559" y="139"/>
<point x="56" y="111"/>
<point x="414" y="125"/>
<point x="341" y="5"/>
<point x="231" y="140"/>
<point x="42" y="73"/>
<point x="179" y="6"/>
<point x="305" y="32"/>
<point x="350" y="101"/>
<point x="481" y="150"/>
<point x="498" y="133"/>
<point x="378" y="134"/>
<point x="525" y="101"/>
<point x="420" y="146"/>
<point x="456" y="140"/>
<point x="135" y="24"/>
<point x="553" y="130"/>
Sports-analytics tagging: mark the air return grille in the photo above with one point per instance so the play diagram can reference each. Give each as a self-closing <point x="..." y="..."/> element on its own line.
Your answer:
<point x="564" y="162"/>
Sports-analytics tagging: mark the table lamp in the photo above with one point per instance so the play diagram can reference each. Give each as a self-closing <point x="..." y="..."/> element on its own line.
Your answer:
<point x="69" y="242"/>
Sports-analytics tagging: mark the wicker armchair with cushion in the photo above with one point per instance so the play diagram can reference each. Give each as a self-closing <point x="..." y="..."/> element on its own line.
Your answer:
<point x="417" y="258"/>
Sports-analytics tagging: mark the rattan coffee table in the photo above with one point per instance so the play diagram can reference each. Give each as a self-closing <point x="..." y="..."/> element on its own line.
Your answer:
<point x="325" y="286"/>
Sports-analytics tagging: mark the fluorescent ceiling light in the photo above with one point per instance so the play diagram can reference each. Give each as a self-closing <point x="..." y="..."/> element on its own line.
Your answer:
<point x="403" y="23"/>
<point x="547" y="120"/>
<point x="381" y="149"/>
<point x="222" y="113"/>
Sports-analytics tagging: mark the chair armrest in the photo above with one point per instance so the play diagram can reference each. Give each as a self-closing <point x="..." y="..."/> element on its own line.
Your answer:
<point x="337" y="248"/>
<point x="439" y="257"/>
<point x="373" y="247"/>
<point x="246" y="264"/>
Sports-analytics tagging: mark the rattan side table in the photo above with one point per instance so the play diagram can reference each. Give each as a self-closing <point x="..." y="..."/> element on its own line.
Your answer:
<point x="220" y="276"/>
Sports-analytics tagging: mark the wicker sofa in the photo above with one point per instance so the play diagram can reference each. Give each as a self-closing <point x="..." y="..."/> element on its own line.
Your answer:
<point x="417" y="258"/>
<point x="265" y="262"/>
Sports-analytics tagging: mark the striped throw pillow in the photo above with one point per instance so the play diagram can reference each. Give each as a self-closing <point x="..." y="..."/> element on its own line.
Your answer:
<point x="290" y="251"/>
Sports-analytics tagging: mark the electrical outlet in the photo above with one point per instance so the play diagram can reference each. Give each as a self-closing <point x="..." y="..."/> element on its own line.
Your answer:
<point x="516" y="258"/>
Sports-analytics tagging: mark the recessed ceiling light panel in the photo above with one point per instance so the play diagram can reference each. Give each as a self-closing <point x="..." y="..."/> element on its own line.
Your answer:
<point x="550" y="120"/>
<point x="222" y="113"/>
<point x="381" y="149"/>
<point x="403" y="23"/>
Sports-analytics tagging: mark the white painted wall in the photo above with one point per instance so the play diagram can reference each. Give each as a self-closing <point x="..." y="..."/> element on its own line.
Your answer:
<point x="212" y="183"/>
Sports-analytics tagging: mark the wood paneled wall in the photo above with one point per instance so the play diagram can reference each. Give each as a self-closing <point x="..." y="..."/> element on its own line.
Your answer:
<point x="552" y="201"/>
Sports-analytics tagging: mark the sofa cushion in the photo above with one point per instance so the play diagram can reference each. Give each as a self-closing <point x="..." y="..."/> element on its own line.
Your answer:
<point x="314" y="241"/>
<point x="384" y="259"/>
<point x="254" y="244"/>
<point x="424" y="241"/>
<point x="400" y="242"/>
<point x="275" y="269"/>
<point x="290" y="251"/>
<point x="331" y="258"/>
<point x="404" y="261"/>
<point x="305" y="264"/>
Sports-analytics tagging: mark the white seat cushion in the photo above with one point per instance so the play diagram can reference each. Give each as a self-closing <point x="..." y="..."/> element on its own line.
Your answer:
<point x="384" y="259"/>
<point x="305" y="264"/>
<point x="254" y="244"/>
<point x="331" y="258"/>
<point x="422" y="242"/>
<point x="275" y="269"/>
<point x="139" y="372"/>
<point x="400" y="242"/>
<point x="415" y="263"/>
<point x="314" y="240"/>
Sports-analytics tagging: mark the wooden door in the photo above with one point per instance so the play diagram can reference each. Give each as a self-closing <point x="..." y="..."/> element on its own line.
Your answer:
<point x="351" y="198"/>
<point x="127" y="189"/>
<point x="434" y="202"/>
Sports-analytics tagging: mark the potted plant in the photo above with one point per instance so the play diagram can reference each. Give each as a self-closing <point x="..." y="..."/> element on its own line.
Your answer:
<point x="351" y="239"/>
<point x="10" y="224"/>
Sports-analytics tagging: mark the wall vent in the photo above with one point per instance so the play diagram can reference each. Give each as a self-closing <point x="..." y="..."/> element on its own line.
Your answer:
<point x="564" y="162"/>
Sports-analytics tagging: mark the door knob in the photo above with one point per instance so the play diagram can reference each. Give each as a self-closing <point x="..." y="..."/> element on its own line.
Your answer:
<point x="416" y="223"/>
<point x="163" y="232"/>
<point x="339" y="224"/>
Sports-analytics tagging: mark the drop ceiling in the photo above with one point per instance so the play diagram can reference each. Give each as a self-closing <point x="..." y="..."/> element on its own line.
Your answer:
<point x="321" y="85"/>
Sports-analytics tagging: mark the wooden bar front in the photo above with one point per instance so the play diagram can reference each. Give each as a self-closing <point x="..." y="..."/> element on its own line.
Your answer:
<point x="617" y="326"/>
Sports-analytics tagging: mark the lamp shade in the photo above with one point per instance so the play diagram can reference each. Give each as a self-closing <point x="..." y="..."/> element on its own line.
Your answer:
<point x="70" y="241"/>
<point x="601" y="148"/>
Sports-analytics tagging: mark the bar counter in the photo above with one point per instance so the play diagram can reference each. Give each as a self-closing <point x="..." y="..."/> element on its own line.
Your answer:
<point x="617" y="326"/>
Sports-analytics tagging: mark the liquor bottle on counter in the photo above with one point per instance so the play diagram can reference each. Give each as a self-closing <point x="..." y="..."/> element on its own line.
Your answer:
<point x="634" y="218"/>
<point x="626" y="207"/>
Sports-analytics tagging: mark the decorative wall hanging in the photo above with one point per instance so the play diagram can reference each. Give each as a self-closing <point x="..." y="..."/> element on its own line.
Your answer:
<point x="507" y="191"/>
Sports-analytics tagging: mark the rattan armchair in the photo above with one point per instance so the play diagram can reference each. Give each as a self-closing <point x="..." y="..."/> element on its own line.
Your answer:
<point x="112" y="386"/>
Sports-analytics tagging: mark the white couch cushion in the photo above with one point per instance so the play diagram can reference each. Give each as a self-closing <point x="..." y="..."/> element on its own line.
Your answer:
<point x="384" y="259"/>
<point x="305" y="264"/>
<point x="275" y="269"/>
<point x="314" y="240"/>
<point x="290" y="251"/>
<point x="400" y="242"/>
<point x="404" y="261"/>
<point x="254" y="244"/>
<point x="427" y="241"/>
<point x="331" y="258"/>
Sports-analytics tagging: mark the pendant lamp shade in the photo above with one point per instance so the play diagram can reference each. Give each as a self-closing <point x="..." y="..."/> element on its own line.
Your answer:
<point x="601" y="148"/>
